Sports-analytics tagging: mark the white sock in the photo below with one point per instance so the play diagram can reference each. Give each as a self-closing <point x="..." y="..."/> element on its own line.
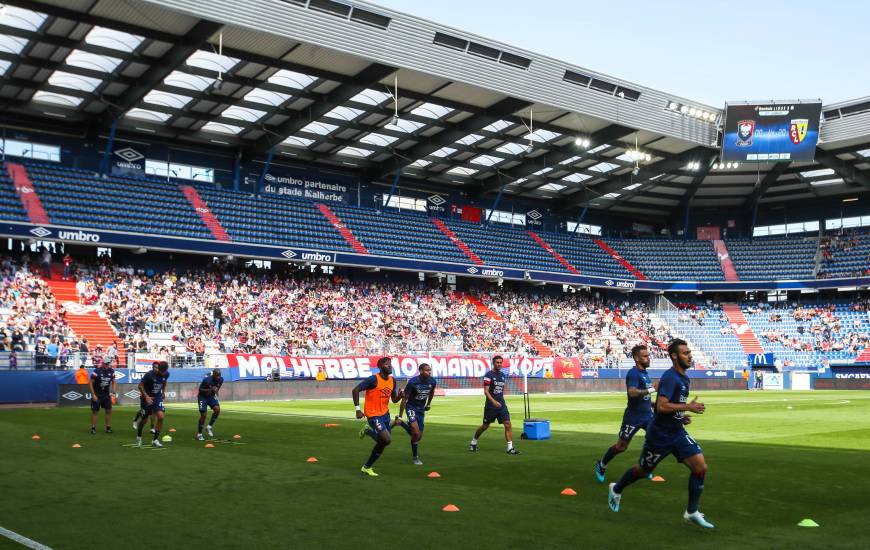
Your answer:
<point x="510" y="445"/>
<point x="474" y="441"/>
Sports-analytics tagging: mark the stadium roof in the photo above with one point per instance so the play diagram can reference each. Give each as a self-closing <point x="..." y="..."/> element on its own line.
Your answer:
<point x="372" y="90"/>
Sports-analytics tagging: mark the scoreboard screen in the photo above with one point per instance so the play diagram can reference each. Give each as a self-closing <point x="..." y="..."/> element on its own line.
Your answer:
<point x="771" y="132"/>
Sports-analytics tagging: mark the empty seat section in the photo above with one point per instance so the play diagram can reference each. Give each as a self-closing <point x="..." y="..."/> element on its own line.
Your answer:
<point x="582" y="252"/>
<point x="10" y="202"/>
<point x="670" y="259"/>
<point x="139" y="204"/>
<point x="281" y="221"/>
<point x="773" y="258"/>
<point x="504" y="246"/>
<point x="409" y="235"/>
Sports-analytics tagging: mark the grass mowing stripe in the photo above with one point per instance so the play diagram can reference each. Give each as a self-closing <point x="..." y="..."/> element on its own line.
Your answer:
<point x="22" y="540"/>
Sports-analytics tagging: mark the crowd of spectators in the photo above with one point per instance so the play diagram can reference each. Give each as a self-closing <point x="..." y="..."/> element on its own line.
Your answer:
<point x="260" y="312"/>
<point x="843" y="242"/>
<point x="821" y="329"/>
<point x="231" y="310"/>
<point x="31" y="320"/>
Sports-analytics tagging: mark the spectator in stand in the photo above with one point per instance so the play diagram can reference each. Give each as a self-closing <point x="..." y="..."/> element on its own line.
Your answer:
<point x="67" y="266"/>
<point x="111" y="356"/>
<point x="40" y="354"/>
<point x="199" y="349"/>
<point x="13" y="360"/>
<point x="97" y="356"/>
<point x="46" y="262"/>
<point x="52" y="349"/>
<point x="64" y="355"/>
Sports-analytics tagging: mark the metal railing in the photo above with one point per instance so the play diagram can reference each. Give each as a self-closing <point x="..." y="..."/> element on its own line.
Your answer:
<point x="30" y="360"/>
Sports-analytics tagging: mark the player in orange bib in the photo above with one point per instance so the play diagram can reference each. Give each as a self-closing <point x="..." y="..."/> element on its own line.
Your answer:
<point x="380" y="390"/>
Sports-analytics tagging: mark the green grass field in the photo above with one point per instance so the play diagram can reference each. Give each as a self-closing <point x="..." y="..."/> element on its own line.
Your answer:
<point x="774" y="459"/>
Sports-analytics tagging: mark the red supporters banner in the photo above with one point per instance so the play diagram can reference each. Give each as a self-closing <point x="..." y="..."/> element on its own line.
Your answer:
<point x="253" y="367"/>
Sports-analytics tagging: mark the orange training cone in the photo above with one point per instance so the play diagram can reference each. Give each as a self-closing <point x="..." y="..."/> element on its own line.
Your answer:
<point x="433" y="474"/>
<point x="172" y="430"/>
<point x="658" y="479"/>
<point x="237" y="436"/>
<point x="330" y="425"/>
<point x="311" y="459"/>
<point x="567" y="491"/>
<point x="35" y="437"/>
<point x="76" y="446"/>
<point x="209" y="445"/>
<point x="450" y="508"/>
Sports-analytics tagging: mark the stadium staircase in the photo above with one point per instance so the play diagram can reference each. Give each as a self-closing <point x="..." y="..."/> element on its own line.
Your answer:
<point x="341" y="228"/>
<point x="29" y="197"/>
<point x="625" y="263"/>
<point x="742" y="330"/>
<point x="201" y="208"/>
<point x="483" y="309"/>
<point x="725" y="260"/>
<point x="864" y="356"/>
<point x="457" y="241"/>
<point x="700" y="355"/>
<point x="548" y="248"/>
<point x="86" y="322"/>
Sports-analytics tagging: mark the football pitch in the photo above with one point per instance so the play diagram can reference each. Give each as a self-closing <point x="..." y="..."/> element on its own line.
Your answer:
<point x="775" y="458"/>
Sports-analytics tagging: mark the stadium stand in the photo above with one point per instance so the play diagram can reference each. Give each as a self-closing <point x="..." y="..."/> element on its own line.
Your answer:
<point x="271" y="220"/>
<point x="845" y="254"/>
<point x="778" y="257"/>
<point x="146" y="205"/>
<point x="686" y="260"/>
<point x="798" y="336"/>
<point x="80" y="198"/>
<point x="10" y="203"/>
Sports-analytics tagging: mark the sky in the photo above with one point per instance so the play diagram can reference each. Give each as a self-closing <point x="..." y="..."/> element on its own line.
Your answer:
<point x="707" y="50"/>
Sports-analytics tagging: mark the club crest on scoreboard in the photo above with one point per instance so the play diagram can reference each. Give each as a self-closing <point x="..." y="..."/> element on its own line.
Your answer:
<point x="797" y="129"/>
<point x="745" y="131"/>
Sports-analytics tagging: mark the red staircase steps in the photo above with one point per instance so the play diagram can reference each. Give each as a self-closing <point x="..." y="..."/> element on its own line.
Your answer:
<point x="725" y="260"/>
<point x="84" y="323"/>
<point x="567" y="265"/>
<point x="208" y="218"/>
<point x="864" y="356"/>
<point x="483" y="309"/>
<point x="742" y="330"/>
<point x="341" y="228"/>
<point x="457" y="241"/>
<point x="625" y="263"/>
<point x="29" y="198"/>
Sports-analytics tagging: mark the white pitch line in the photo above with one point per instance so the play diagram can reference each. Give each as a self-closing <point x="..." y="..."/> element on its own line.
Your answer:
<point x="22" y="540"/>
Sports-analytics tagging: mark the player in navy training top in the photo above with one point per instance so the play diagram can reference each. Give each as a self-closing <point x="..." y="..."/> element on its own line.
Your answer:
<point x="667" y="434"/>
<point x="102" y="385"/>
<point x="152" y="388"/>
<point x="495" y="408"/>
<point x="416" y="400"/>
<point x="208" y="398"/>
<point x="141" y="412"/>
<point x="639" y="411"/>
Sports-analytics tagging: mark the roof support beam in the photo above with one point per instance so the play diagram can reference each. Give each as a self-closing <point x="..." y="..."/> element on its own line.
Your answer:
<point x="451" y="134"/>
<point x="364" y="79"/>
<point x="160" y="68"/>
<point x="759" y="191"/>
<point x="844" y="169"/>
<point x="645" y="173"/>
<point x="557" y="155"/>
